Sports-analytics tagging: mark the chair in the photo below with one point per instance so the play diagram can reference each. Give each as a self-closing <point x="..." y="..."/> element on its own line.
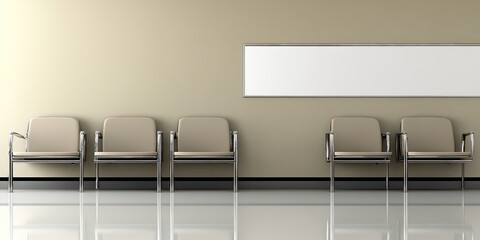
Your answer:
<point x="203" y="140"/>
<point x="431" y="140"/>
<point x="356" y="140"/>
<point x="49" y="140"/>
<point x="128" y="140"/>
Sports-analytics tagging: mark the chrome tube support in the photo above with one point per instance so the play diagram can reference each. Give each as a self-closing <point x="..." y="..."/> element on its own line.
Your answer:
<point x="82" y="149"/>
<point x="97" y="166"/>
<point x="159" y="160"/>
<point x="472" y="149"/>
<point x="331" y="150"/>
<point x="10" y="158"/>
<point x="10" y="163"/>
<point x="404" y="138"/>
<point x="172" y="167"/>
<point x="387" y="176"/>
<point x="386" y="135"/>
<point x="235" y="163"/>
<point x="98" y="138"/>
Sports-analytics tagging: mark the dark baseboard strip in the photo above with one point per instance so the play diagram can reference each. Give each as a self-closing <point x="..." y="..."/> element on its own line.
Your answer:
<point x="245" y="183"/>
<point x="244" y="179"/>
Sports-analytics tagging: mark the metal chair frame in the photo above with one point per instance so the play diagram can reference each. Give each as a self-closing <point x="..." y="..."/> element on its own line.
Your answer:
<point x="402" y="155"/>
<point x="333" y="159"/>
<point x="204" y="158"/>
<point x="77" y="159"/>
<point x="131" y="159"/>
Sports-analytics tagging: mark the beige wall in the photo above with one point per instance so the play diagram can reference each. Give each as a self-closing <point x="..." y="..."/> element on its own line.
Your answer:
<point x="167" y="59"/>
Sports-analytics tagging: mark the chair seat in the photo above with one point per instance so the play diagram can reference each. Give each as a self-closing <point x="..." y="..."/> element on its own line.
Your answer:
<point x="45" y="155"/>
<point x="125" y="155"/>
<point x="439" y="155"/>
<point x="360" y="155"/>
<point x="203" y="155"/>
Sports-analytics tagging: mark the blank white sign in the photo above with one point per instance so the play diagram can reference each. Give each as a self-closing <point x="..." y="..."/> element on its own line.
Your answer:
<point x="362" y="70"/>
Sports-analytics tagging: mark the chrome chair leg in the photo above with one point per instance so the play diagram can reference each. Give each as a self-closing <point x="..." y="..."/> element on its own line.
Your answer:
<point x="332" y="176"/>
<point x="235" y="176"/>
<point x="172" y="176"/>
<point x="10" y="175"/>
<point x="81" y="175"/>
<point x="96" y="175"/>
<point x="387" y="175"/>
<point x="159" y="175"/>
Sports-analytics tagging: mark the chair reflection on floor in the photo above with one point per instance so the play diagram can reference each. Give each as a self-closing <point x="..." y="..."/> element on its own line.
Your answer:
<point x="131" y="216"/>
<point x="195" y="217"/>
<point x="353" y="220"/>
<point x="49" y="216"/>
<point x="435" y="215"/>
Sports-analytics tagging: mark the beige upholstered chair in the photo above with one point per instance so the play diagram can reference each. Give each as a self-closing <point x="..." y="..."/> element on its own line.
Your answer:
<point x="430" y="140"/>
<point x="356" y="140"/>
<point x="203" y="140"/>
<point x="50" y="140"/>
<point x="128" y="140"/>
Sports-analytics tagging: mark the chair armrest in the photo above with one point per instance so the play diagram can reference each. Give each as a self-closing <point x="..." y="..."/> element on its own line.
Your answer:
<point x="15" y="134"/>
<point x="401" y="139"/>
<point x="386" y="136"/>
<point x="159" y="144"/>
<point x="98" y="137"/>
<point x="230" y="140"/>
<point x="173" y="138"/>
<point x="329" y="146"/>
<point x="82" y="147"/>
<point x="472" y="141"/>
<point x="235" y="141"/>
<point x="10" y="141"/>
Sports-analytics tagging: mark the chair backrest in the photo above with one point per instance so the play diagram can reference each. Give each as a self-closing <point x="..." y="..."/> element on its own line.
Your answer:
<point x="356" y="134"/>
<point x="203" y="134"/>
<point x="429" y="134"/>
<point x="53" y="134"/>
<point x="129" y="134"/>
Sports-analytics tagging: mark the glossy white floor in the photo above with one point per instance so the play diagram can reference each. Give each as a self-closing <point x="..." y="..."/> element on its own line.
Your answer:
<point x="247" y="215"/>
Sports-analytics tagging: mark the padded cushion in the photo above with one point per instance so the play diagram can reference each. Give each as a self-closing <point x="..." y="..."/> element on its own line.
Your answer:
<point x="440" y="155"/>
<point x="129" y="134"/>
<point x="372" y="154"/>
<point x="203" y="134"/>
<point x="35" y="154"/>
<point x="53" y="134"/>
<point x="429" y="134"/>
<point x="356" y="134"/>
<point x="203" y="153"/>
<point x="125" y="155"/>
